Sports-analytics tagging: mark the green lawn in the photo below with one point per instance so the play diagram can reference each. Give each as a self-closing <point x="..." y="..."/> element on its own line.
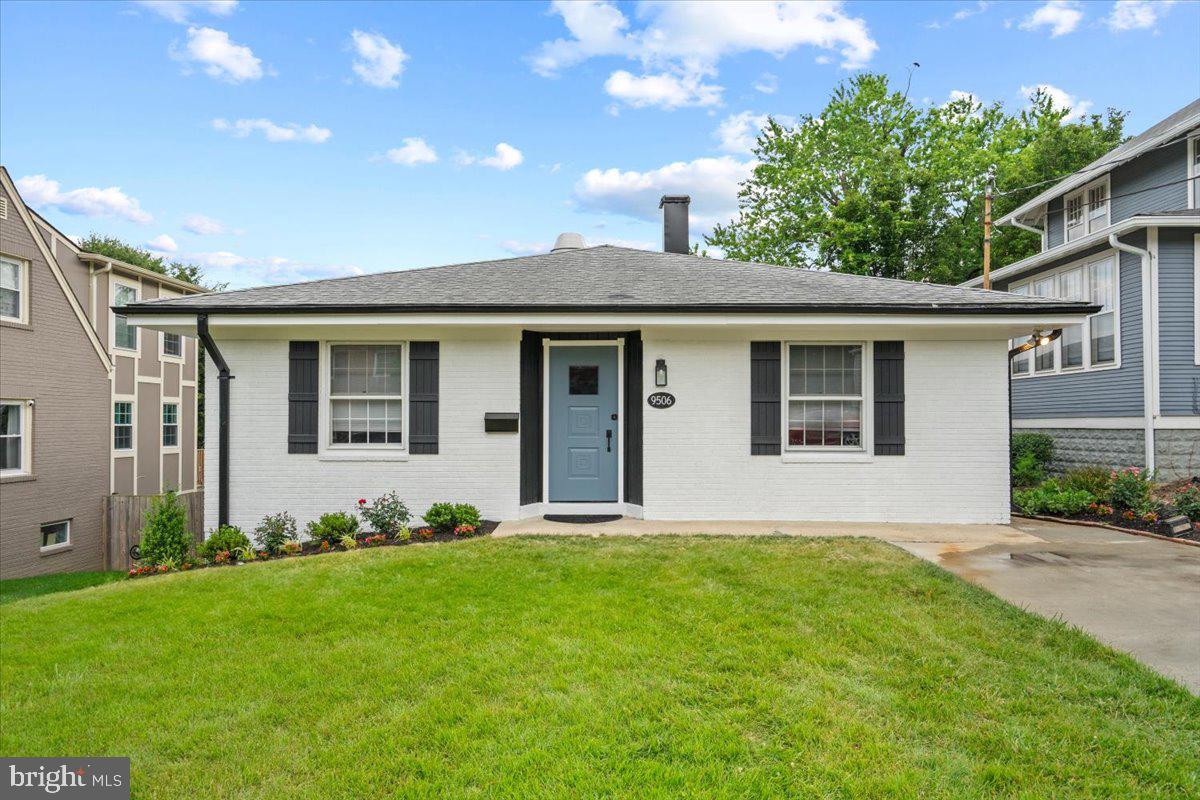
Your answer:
<point x="653" y="667"/>
<point x="20" y="588"/>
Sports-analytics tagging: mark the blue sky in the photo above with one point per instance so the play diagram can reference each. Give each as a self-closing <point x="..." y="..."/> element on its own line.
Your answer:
<point x="276" y="142"/>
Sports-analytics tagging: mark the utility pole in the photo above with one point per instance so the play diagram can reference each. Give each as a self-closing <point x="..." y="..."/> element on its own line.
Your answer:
<point x="987" y="229"/>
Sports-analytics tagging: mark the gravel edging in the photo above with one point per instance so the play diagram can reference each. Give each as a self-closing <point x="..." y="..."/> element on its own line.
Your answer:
<point x="1131" y="531"/>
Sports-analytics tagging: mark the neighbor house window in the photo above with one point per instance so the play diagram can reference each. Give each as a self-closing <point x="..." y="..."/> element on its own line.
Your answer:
<point x="1194" y="171"/>
<point x="123" y="425"/>
<point x="1086" y="210"/>
<point x="825" y="396"/>
<point x="170" y="425"/>
<point x="14" y="438"/>
<point x="12" y="290"/>
<point x="365" y="400"/>
<point x="1092" y="345"/>
<point x="172" y="344"/>
<point x="124" y="334"/>
<point x="56" y="534"/>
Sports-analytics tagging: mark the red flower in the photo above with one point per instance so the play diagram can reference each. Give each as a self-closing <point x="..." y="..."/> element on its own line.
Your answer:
<point x="362" y="501"/>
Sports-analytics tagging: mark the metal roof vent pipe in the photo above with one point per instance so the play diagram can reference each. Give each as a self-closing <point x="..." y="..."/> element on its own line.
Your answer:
<point x="675" y="223"/>
<point x="568" y="241"/>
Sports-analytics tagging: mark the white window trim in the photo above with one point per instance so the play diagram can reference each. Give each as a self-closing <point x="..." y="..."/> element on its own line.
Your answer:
<point x="1086" y="224"/>
<point x="115" y="281"/>
<point x="164" y="294"/>
<point x="326" y="449"/>
<point x="54" y="548"/>
<point x="162" y="433"/>
<point x="23" y="279"/>
<point x="1193" y="172"/>
<point x="26" y="407"/>
<point x="803" y="454"/>
<point x="1087" y="348"/>
<point x="132" y="426"/>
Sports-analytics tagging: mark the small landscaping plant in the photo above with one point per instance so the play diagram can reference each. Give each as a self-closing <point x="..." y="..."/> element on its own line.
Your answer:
<point x="1095" y="480"/>
<point x="386" y="514"/>
<point x="1028" y="471"/>
<point x="403" y="535"/>
<point x="331" y="528"/>
<point x="1131" y="489"/>
<point x="165" y="536"/>
<point x="227" y="538"/>
<point x="1050" y="497"/>
<point x="349" y="542"/>
<point x="448" y="517"/>
<point x="291" y="548"/>
<point x="275" y="531"/>
<point x="1187" y="501"/>
<point x="246" y="553"/>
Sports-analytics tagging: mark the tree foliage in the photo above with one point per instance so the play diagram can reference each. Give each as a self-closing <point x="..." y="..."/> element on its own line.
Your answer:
<point x="875" y="185"/>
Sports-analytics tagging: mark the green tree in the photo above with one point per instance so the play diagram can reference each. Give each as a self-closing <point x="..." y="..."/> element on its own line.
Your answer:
<point x="875" y="185"/>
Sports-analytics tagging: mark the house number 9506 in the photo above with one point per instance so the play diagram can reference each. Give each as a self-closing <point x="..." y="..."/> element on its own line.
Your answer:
<point x="661" y="400"/>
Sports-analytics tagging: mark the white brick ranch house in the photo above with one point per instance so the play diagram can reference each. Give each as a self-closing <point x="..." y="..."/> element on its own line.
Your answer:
<point x="611" y="380"/>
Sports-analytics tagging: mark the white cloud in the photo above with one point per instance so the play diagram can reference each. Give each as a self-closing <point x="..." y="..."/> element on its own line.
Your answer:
<point x="203" y="226"/>
<point x="767" y="83"/>
<point x="1060" y="16"/>
<point x="162" y="244"/>
<point x="180" y="10"/>
<point x="289" y="132"/>
<point x="221" y="57"/>
<point x="41" y="192"/>
<point x="636" y="244"/>
<point x="738" y="133"/>
<point x="414" y="151"/>
<point x="518" y="248"/>
<point x="241" y="271"/>
<point x="663" y="90"/>
<point x="681" y="43"/>
<point x="965" y="12"/>
<point x="1128" y="15"/>
<point x="712" y="184"/>
<point x="379" y="61"/>
<point x="505" y="157"/>
<point x="1061" y="99"/>
<point x="958" y="94"/>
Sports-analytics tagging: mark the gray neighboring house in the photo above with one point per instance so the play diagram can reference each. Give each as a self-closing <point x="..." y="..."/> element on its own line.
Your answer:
<point x="89" y="405"/>
<point x="1124" y="233"/>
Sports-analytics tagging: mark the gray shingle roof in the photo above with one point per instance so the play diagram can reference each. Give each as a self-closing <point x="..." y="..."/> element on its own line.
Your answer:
<point x="607" y="278"/>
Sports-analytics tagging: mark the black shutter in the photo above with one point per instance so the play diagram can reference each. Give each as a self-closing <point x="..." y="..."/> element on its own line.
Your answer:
<point x="764" y="398"/>
<point x="889" y="398"/>
<point x="531" y="417"/>
<point x="423" y="397"/>
<point x="633" y="417"/>
<point x="302" y="397"/>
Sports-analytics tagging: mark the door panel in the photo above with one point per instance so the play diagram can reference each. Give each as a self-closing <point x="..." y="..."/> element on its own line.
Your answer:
<point x="583" y="442"/>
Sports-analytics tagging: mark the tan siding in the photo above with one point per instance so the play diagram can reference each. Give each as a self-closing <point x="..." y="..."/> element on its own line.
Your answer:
<point x="52" y="362"/>
<point x="148" y="414"/>
<point x="123" y="480"/>
<point x="189" y="358"/>
<point x="187" y="436"/>
<point x="149" y="345"/>
<point x="103" y="315"/>
<point x="170" y="379"/>
<point x="124" y="375"/>
<point x="170" y="471"/>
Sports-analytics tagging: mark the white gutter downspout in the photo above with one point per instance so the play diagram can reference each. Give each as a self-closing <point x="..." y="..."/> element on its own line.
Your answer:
<point x="1024" y="227"/>
<point x="1149" y="349"/>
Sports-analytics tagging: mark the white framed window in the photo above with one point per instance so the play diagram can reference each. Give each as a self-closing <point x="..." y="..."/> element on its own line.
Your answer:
<point x="125" y="336"/>
<point x="14" y="290"/>
<point x="172" y="345"/>
<point x="170" y="425"/>
<point x="1095" y="344"/>
<point x="366" y="395"/>
<point x="1194" y="172"/>
<point x="1086" y="210"/>
<point x="123" y="425"/>
<point x="826" y="397"/>
<point x="56" y="535"/>
<point x="15" y="438"/>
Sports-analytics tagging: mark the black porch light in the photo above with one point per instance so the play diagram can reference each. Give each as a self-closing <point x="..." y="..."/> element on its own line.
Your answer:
<point x="660" y="372"/>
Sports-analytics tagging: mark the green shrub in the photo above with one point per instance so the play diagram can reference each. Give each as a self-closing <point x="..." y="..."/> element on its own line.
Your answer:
<point x="386" y="515"/>
<point x="226" y="538"/>
<point x="165" y="537"/>
<point x="275" y="531"/>
<point x="1040" y="445"/>
<point x="1130" y="488"/>
<point x="1050" y="497"/>
<point x="1028" y="471"/>
<point x="332" y="527"/>
<point x="1187" y="501"/>
<point x="445" y="517"/>
<point x="1096" y="480"/>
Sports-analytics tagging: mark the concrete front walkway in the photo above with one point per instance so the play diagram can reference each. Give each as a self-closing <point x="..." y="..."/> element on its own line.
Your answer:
<point x="1133" y="593"/>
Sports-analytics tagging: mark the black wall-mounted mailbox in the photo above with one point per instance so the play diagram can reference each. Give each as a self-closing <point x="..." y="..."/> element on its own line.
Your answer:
<point x="501" y="422"/>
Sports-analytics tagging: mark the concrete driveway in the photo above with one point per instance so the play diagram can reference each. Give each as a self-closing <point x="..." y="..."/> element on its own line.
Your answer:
<point x="1133" y="593"/>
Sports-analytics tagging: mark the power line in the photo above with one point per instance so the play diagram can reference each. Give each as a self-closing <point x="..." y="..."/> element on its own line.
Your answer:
<point x="1085" y="170"/>
<point x="1134" y="192"/>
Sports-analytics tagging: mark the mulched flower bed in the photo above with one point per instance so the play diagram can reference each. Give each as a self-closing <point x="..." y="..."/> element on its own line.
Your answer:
<point x="1119" y="519"/>
<point x="313" y="548"/>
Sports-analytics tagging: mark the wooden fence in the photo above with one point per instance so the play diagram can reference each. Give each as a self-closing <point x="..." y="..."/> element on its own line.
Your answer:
<point x="200" y="467"/>
<point x="123" y="518"/>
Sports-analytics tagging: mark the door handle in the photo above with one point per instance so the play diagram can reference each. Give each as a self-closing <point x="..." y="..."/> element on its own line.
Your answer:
<point x="608" y="440"/>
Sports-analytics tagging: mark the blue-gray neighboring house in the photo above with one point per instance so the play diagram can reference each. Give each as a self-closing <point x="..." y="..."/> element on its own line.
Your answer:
<point x="1124" y="233"/>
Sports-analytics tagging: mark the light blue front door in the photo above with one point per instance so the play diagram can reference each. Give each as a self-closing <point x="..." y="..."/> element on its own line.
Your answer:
<point x="583" y="423"/>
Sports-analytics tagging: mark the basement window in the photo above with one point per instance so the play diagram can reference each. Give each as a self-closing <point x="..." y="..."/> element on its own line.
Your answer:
<point x="56" y="535"/>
